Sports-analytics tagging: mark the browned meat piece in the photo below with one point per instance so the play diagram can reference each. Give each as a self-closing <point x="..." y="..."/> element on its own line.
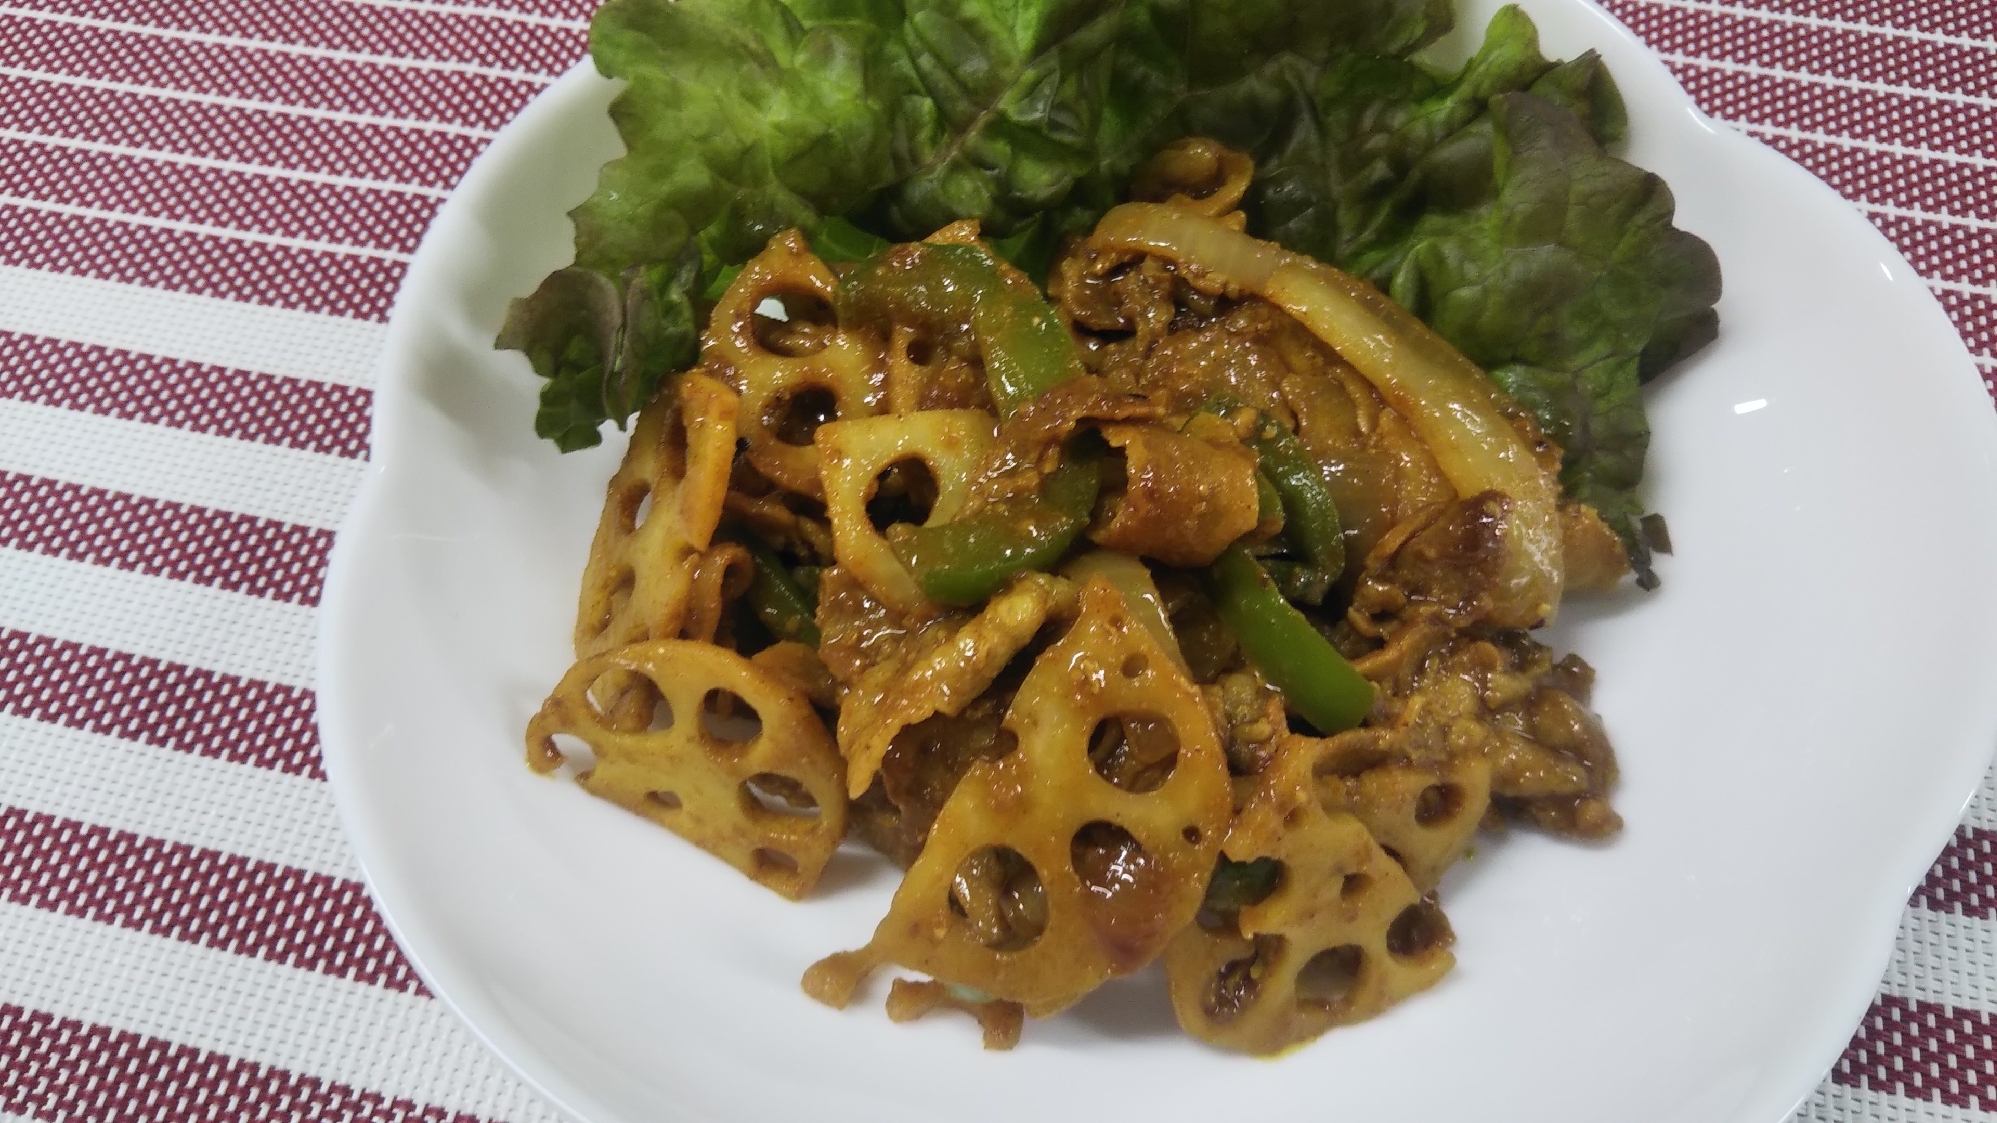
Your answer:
<point x="1181" y="500"/>
<point x="896" y="672"/>
<point x="787" y="521"/>
<point x="870" y="650"/>
<point x="1566" y="740"/>
<point x="858" y="631"/>
<point x="1055" y="415"/>
<point x="940" y="670"/>
<point x="1110" y="295"/>
<point x="1443" y="564"/>
<point x="1379" y="470"/>
<point x="1209" y="648"/>
<point x="927" y="759"/>
<point x="875" y="820"/>
<point x="1452" y="696"/>
<point x="1453" y="689"/>
<point x="1184" y="349"/>
<point x="1248" y="714"/>
<point x="1240" y="354"/>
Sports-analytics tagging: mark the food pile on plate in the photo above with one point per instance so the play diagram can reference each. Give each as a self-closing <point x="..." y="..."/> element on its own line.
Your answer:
<point x="1110" y="461"/>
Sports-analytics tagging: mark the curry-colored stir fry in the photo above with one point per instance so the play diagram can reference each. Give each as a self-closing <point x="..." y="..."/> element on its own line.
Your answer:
<point x="1179" y="615"/>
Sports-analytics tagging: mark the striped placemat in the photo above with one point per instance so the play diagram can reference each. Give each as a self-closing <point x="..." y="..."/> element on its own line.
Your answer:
<point x="205" y="209"/>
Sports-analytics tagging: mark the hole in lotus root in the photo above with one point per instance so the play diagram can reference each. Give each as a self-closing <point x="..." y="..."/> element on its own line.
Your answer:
<point x="1420" y="929"/>
<point x="1109" y="859"/>
<point x="1191" y="835"/>
<point x="630" y="503"/>
<point x="1004" y="743"/>
<point x="664" y="801"/>
<point x="1354" y="886"/>
<point x="662" y="715"/>
<point x="576" y="752"/>
<point x="773" y="863"/>
<point x="904" y="492"/>
<point x="604" y="691"/>
<point x="1134" y="752"/>
<point x="1328" y="978"/>
<point x="627" y="701"/>
<point x="1437" y="804"/>
<point x="1239" y="885"/>
<point x="728" y="721"/>
<point x="795" y="415"/>
<point x="643" y="512"/>
<point x="997" y="893"/>
<point x="1239" y="981"/>
<point x="620" y="593"/>
<point x="794" y="324"/>
<point x="920" y="349"/>
<point x="772" y="796"/>
<point x="1136" y="665"/>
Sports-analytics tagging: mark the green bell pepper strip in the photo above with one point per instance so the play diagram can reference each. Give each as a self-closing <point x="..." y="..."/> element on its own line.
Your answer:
<point x="1026" y="351"/>
<point x="1299" y="582"/>
<point x="965" y="561"/>
<point x="777" y="599"/>
<point x="1315" y="679"/>
<point x="1310" y="518"/>
<point x="837" y="239"/>
<point x="948" y="287"/>
<point x="1268" y="501"/>
<point x="1237" y="885"/>
<point x="807" y="578"/>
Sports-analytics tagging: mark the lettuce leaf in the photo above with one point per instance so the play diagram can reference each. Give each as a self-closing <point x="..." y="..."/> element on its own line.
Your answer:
<point x="1001" y="112"/>
<point x="1242" y="71"/>
<point x="741" y="118"/>
<point x="1570" y="286"/>
<point x="1483" y="200"/>
<point x="1386" y="141"/>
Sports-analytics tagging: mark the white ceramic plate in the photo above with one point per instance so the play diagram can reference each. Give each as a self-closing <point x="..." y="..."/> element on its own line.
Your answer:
<point x="1801" y="713"/>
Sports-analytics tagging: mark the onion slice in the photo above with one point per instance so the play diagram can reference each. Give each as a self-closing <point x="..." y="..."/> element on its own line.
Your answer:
<point x="1132" y="579"/>
<point x="1453" y="406"/>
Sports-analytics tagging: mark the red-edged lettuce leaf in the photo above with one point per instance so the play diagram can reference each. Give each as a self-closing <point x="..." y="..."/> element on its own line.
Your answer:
<point x="1570" y="285"/>
<point x="741" y="118"/>
<point x="1483" y="200"/>
<point x="1486" y="203"/>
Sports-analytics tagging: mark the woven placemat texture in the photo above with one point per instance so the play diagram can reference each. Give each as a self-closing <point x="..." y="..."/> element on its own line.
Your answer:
<point x="206" y="207"/>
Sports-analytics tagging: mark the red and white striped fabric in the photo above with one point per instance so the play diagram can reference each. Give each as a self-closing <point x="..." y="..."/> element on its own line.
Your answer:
<point x="205" y="209"/>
